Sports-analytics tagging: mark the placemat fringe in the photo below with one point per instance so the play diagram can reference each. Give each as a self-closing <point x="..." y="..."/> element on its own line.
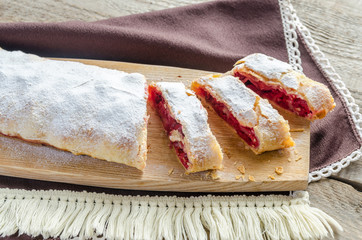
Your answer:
<point x="82" y="215"/>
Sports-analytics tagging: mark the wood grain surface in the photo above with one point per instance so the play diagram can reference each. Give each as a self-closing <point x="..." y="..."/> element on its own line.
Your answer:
<point x="342" y="202"/>
<point x="36" y="161"/>
<point x="336" y="25"/>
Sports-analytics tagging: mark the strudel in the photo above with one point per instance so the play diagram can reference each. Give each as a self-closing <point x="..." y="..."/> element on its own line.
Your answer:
<point x="75" y="107"/>
<point x="185" y="121"/>
<point x="257" y="123"/>
<point x="277" y="81"/>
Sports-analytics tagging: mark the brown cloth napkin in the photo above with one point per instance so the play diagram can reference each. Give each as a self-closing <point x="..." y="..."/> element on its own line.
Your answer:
<point x="209" y="36"/>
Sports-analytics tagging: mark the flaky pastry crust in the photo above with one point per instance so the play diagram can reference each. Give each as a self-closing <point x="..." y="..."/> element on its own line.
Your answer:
<point x="270" y="128"/>
<point x="280" y="75"/>
<point x="75" y="107"/>
<point x="202" y="149"/>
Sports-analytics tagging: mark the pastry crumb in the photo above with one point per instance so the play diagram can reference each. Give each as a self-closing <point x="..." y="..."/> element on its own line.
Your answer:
<point x="170" y="172"/>
<point x="289" y="159"/>
<point x="216" y="75"/>
<point x="251" y="178"/>
<point x="228" y="154"/>
<point x="297" y="130"/>
<point x="214" y="175"/>
<point x="179" y="112"/>
<point x="148" y="148"/>
<point x="271" y="177"/>
<point x="241" y="169"/>
<point x="298" y="158"/>
<point x="237" y="177"/>
<point x="279" y="170"/>
<point x="179" y="76"/>
<point x="235" y="163"/>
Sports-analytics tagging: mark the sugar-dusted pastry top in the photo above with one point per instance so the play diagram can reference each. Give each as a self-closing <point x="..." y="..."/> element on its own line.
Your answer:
<point x="270" y="128"/>
<point x="264" y="65"/>
<point x="187" y="109"/>
<point x="201" y="146"/>
<point x="240" y="100"/>
<point x="76" y="107"/>
<point x="274" y="72"/>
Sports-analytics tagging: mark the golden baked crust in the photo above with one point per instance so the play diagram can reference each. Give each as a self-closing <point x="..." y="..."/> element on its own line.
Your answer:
<point x="251" y="111"/>
<point x="280" y="75"/>
<point x="202" y="149"/>
<point x="74" y="107"/>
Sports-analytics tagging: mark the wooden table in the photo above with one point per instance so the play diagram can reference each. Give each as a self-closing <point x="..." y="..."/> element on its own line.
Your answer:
<point x="335" y="25"/>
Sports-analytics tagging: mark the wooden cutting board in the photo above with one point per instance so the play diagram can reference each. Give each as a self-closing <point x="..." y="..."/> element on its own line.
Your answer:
<point x="163" y="171"/>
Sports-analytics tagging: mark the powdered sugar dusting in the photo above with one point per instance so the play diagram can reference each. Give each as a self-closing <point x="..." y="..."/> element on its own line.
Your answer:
<point x="267" y="66"/>
<point x="38" y="156"/>
<point x="318" y="96"/>
<point x="185" y="108"/>
<point x="84" y="109"/>
<point x="290" y="80"/>
<point x="18" y="149"/>
<point x="279" y="73"/>
<point x="236" y="96"/>
<point x="269" y="126"/>
<point x="189" y="112"/>
<point x="269" y="112"/>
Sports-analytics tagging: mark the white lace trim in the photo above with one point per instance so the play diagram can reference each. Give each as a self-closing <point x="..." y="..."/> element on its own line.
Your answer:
<point x="292" y="23"/>
<point x="290" y="34"/>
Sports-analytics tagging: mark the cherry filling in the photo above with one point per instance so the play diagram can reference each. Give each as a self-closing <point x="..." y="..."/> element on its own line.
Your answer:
<point x="279" y="96"/>
<point x="169" y="123"/>
<point x="246" y="133"/>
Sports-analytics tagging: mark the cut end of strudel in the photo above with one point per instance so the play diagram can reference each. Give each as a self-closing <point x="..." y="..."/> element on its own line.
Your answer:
<point x="277" y="81"/>
<point x="260" y="126"/>
<point x="74" y="107"/>
<point x="185" y="121"/>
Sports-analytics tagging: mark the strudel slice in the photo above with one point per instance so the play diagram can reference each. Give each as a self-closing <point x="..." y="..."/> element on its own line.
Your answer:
<point x="185" y="121"/>
<point x="277" y="81"/>
<point x="260" y="126"/>
<point x="74" y="107"/>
